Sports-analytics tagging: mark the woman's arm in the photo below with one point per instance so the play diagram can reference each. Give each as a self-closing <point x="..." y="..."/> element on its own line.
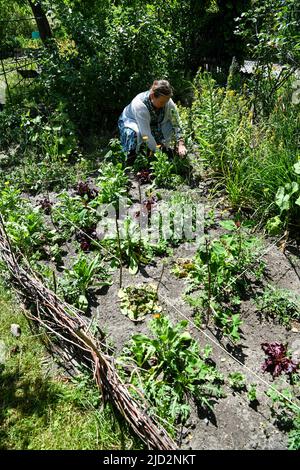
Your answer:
<point x="142" y="117"/>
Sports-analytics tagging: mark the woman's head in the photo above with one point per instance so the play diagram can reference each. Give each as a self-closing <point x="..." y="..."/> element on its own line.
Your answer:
<point x="160" y="93"/>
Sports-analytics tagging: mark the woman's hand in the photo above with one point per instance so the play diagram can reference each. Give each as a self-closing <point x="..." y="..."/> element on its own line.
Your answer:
<point x="181" y="149"/>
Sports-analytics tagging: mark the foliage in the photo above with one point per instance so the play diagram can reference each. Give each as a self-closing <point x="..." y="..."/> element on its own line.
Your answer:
<point x="85" y="275"/>
<point x="25" y="224"/>
<point x="280" y="304"/>
<point x="128" y="246"/>
<point x="206" y="117"/>
<point x="252" y="394"/>
<point x="86" y="190"/>
<point x="286" y="411"/>
<point x="271" y="29"/>
<point x="228" y="322"/>
<point x="171" y="370"/>
<point x="9" y="128"/>
<point x="131" y="247"/>
<point x="51" y="137"/>
<point x="182" y="267"/>
<point x="251" y="158"/>
<point x="278" y="360"/>
<point x="10" y="200"/>
<point x="115" y="153"/>
<point x="138" y="301"/>
<point x="41" y="148"/>
<point x="164" y="171"/>
<point x="35" y="176"/>
<point x="112" y="183"/>
<point x="16" y="24"/>
<point x="237" y="381"/>
<point x="72" y="213"/>
<point x="220" y="270"/>
<point x="287" y="197"/>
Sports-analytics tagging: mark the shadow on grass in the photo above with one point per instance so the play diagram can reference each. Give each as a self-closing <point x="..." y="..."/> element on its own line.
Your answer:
<point x="28" y="398"/>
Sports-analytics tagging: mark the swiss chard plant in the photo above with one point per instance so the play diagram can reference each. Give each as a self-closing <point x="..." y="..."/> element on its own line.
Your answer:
<point x="86" y="274"/>
<point x="132" y="249"/>
<point x="164" y="171"/>
<point x="113" y="183"/>
<point x="72" y="214"/>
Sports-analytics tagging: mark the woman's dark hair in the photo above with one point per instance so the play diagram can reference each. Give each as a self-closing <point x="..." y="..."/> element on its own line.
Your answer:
<point x="161" y="88"/>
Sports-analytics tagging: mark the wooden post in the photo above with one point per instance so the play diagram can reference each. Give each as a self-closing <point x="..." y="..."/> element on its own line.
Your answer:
<point x="6" y="82"/>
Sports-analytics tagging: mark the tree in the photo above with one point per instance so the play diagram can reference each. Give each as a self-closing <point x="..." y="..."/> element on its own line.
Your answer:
<point x="41" y="20"/>
<point x="271" y="30"/>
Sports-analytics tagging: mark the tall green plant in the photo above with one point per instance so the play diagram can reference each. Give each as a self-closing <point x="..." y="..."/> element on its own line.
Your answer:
<point x="170" y="370"/>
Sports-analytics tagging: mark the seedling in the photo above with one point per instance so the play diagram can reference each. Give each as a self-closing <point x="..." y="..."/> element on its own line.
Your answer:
<point x="252" y="394"/>
<point x="237" y="381"/>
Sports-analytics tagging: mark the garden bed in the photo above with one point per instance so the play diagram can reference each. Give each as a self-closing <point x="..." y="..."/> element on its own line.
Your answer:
<point x="234" y="421"/>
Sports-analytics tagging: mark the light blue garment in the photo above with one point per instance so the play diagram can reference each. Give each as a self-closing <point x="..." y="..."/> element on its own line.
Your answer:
<point x="128" y="137"/>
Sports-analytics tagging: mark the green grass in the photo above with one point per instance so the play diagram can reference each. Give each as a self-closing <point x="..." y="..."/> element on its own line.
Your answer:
<point x="43" y="411"/>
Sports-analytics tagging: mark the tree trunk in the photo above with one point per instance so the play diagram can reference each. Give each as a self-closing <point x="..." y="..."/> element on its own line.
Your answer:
<point x="41" y="20"/>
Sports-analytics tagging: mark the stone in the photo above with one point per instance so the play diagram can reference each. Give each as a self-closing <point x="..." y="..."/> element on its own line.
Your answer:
<point x="2" y="352"/>
<point x="184" y="432"/>
<point x="15" y="330"/>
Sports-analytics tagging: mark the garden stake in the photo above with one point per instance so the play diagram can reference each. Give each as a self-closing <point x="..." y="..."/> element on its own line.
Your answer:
<point x="120" y="253"/>
<point x="207" y="243"/>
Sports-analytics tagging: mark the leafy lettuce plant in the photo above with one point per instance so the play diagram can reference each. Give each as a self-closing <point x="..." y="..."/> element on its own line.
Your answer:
<point x="138" y="301"/>
<point x="278" y="361"/>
